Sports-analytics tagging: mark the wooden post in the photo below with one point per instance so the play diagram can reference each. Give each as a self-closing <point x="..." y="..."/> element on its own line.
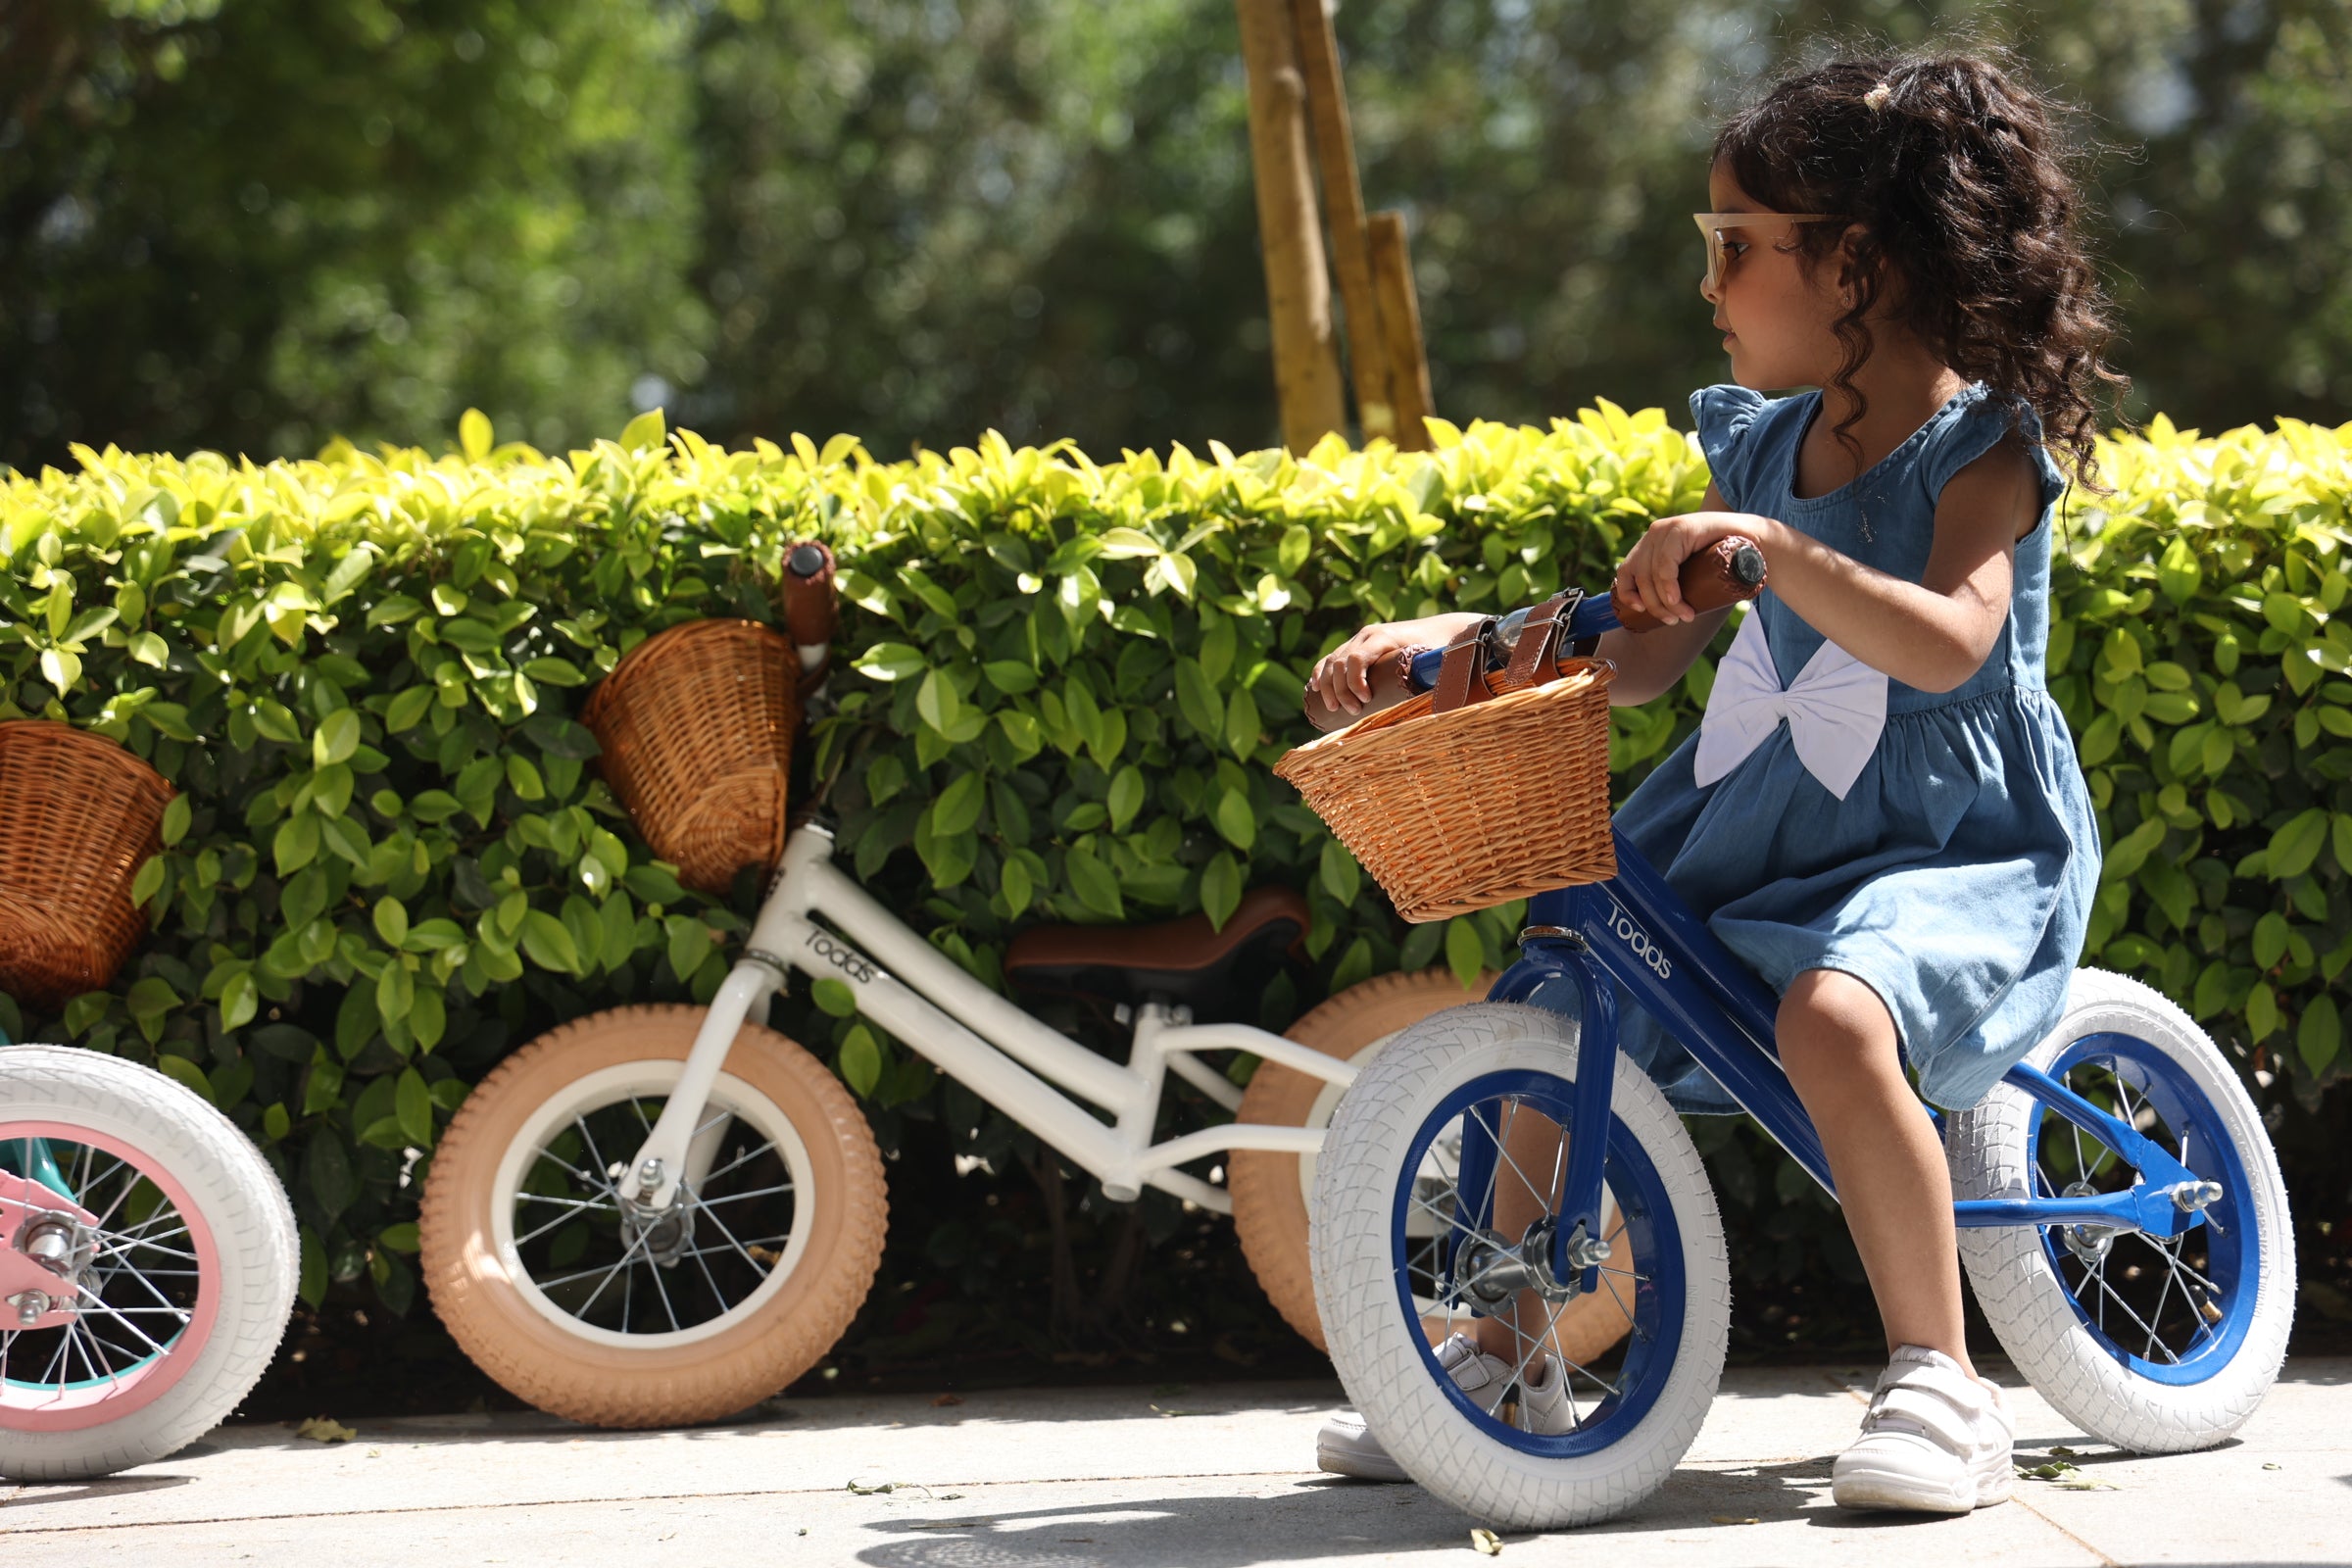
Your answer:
<point x="1343" y="205"/>
<point x="1307" y="365"/>
<point x="1400" y="326"/>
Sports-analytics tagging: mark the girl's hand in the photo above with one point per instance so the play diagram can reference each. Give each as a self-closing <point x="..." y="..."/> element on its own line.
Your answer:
<point x="1342" y="679"/>
<point x="1650" y="577"/>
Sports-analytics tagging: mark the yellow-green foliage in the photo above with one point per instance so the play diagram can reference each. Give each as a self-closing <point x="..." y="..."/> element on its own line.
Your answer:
<point x="1060" y="689"/>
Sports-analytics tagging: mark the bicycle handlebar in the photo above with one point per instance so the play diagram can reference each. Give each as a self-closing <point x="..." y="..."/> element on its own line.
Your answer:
<point x="1725" y="572"/>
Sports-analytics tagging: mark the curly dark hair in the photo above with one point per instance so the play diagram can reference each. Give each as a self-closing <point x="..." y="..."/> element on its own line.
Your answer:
<point x="1958" y="178"/>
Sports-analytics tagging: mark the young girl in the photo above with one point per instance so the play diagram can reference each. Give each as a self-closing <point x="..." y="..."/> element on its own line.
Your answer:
<point x="1881" y="812"/>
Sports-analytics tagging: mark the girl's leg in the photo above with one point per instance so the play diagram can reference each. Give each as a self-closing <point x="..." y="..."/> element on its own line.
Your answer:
<point x="1532" y="1164"/>
<point x="1839" y="1046"/>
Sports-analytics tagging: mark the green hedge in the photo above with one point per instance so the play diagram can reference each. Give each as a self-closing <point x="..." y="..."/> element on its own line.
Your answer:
<point x="1062" y="686"/>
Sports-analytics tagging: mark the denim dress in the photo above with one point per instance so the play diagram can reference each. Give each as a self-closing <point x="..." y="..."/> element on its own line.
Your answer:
<point x="1948" y="862"/>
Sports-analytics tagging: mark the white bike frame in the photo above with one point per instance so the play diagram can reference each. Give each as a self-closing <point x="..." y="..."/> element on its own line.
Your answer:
<point x="1004" y="1055"/>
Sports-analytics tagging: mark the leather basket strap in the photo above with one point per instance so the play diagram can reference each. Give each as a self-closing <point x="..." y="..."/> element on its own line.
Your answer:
<point x="1531" y="660"/>
<point x="1461" y="674"/>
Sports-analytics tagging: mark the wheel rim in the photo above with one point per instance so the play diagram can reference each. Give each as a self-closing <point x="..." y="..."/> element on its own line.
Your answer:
<point x="1608" y="1395"/>
<point x="145" y="1281"/>
<point x="599" y="1272"/>
<point x="2171" y="1312"/>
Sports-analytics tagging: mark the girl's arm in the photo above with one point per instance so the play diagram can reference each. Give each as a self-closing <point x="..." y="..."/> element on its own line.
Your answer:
<point x="1933" y="634"/>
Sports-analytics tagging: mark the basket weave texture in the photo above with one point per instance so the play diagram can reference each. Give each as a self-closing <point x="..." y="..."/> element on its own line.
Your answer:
<point x="1454" y="813"/>
<point x="78" y="816"/>
<point x="696" y="724"/>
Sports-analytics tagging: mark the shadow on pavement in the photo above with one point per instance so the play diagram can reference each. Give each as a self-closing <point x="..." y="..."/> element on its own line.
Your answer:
<point x="1322" y="1519"/>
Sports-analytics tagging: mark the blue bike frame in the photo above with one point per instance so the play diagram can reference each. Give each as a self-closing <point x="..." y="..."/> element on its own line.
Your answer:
<point x="1580" y="942"/>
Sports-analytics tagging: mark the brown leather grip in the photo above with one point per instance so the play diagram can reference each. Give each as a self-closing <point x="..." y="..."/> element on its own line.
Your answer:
<point x="808" y="608"/>
<point x="1725" y="573"/>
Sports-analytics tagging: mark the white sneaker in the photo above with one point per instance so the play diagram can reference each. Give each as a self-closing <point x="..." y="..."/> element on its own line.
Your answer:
<point x="1346" y="1447"/>
<point x="1933" y="1440"/>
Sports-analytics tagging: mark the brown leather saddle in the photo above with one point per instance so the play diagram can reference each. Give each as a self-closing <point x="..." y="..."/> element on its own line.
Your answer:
<point x="1218" y="975"/>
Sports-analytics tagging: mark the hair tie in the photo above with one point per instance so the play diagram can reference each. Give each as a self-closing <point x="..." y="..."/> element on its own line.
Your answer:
<point x="1877" y="98"/>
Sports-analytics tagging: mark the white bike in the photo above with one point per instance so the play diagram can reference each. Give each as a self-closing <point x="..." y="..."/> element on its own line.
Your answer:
<point x="661" y="1214"/>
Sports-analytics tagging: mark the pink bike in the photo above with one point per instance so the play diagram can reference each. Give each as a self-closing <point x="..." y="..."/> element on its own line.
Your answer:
<point x="147" y="1265"/>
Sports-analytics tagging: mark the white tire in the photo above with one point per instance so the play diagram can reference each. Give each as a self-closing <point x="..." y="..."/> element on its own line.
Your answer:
<point x="2155" y="1379"/>
<point x="240" y="1232"/>
<point x="1388" y="1118"/>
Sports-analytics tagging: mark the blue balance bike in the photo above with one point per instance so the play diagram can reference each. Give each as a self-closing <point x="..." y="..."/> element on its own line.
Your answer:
<point x="2122" y="1219"/>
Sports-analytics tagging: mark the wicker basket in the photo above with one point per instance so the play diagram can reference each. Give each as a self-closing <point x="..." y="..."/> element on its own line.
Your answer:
<point x="1455" y="812"/>
<point x="78" y="816"/>
<point x="695" y="725"/>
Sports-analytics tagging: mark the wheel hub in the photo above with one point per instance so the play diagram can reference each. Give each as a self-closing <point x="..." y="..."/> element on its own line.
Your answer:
<point x="1489" y="1270"/>
<point x="65" y="1248"/>
<point x="2089" y="1243"/>
<point x="660" y="1234"/>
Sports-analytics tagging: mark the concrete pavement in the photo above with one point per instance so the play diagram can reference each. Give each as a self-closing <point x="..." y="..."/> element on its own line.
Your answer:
<point x="1207" y="1477"/>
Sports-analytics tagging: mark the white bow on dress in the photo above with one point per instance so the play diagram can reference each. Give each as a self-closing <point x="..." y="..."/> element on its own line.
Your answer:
<point x="1835" y="709"/>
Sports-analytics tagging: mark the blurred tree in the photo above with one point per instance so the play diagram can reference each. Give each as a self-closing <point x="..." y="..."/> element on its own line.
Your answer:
<point x="251" y="223"/>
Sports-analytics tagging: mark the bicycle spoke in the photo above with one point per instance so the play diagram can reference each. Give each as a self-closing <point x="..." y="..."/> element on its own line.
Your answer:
<point x="737" y="1198"/>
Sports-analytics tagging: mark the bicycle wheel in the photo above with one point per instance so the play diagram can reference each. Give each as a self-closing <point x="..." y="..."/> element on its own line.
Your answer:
<point x="589" y="1307"/>
<point x="1471" y="1073"/>
<point x="1270" y="1190"/>
<point x="2156" y="1345"/>
<point x="170" y="1265"/>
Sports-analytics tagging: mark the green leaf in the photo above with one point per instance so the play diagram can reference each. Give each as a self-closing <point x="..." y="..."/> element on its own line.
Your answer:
<point x="395" y="994"/>
<point x="2295" y="847"/>
<point x="548" y="943"/>
<point x="1126" y="797"/>
<point x="181" y="1070"/>
<point x="860" y="1060"/>
<point x="337" y="738"/>
<point x="2321" y="1035"/>
<point x="1241" y="729"/>
<point x="327" y="1171"/>
<point x="1018" y="888"/>
<point x="1009" y="676"/>
<point x="890" y="661"/>
<point x="1126" y="544"/>
<point x="1196" y="700"/>
<point x="834" y="997"/>
<point x="296" y="843"/>
<point x="1093" y="882"/>
<point x="175" y="826"/>
<point x="149" y="881"/>
<point x="1220" y="889"/>
<point x="474" y="439"/>
<point x="428" y="1017"/>
<point x="413" y="1105"/>
<point x="552" y="672"/>
<point x="1465" y="953"/>
<point x="644" y="431"/>
<point x="241" y="1000"/>
<point x="958" y="808"/>
<point x="1339" y="872"/>
<point x="1236" y="821"/>
<point x="391" y="921"/>
<point x="937" y="703"/>
<point x="689" y="944"/>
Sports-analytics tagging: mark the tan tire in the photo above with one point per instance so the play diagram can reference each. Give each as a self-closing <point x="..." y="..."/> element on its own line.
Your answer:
<point x="729" y="1318"/>
<point x="1270" y="1190"/>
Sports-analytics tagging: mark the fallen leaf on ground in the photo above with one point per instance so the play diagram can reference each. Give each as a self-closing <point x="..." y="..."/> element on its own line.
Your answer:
<point x="1487" y="1541"/>
<point x="1733" y="1519"/>
<point x="325" y="1429"/>
<point x="2273" y="1467"/>
<point x="946" y="1400"/>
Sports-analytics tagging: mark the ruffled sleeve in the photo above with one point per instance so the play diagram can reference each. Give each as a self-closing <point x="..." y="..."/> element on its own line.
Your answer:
<point x="1726" y="416"/>
<point x="1971" y="427"/>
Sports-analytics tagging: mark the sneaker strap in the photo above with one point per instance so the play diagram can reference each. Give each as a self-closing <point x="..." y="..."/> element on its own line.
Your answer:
<point x="1941" y="1403"/>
